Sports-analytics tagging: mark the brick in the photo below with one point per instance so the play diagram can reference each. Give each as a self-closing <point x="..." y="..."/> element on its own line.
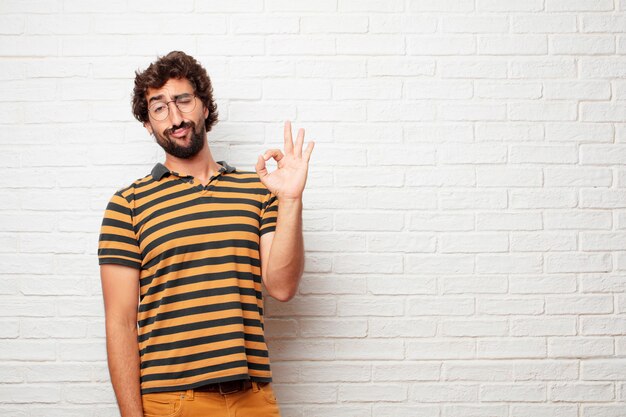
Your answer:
<point x="553" y="326"/>
<point x="473" y="243"/>
<point x="545" y="370"/>
<point x="508" y="263"/>
<point x="444" y="393"/>
<point x="402" y="23"/>
<point x="277" y="89"/>
<point x="366" y="89"/>
<point x="555" y="198"/>
<point x="544" y="241"/>
<point x="302" y="45"/>
<point x="336" y="67"/>
<point x="508" y="392"/>
<point x="473" y="328"/>
<point x="396" y="199"/>
<point x="473" y="200"/>
<point x="368" y="349"/>
<point x="298" y="350"/>
<point x="601" y="67"/>
<point x="544" y="410"/>
<point x="16" y="394"/>
<point x="512" y="45"/>
<point x="333" y="328"/>
<point x="372" y="392"/>
<point x="371" y="6"/>
<point x="566" y="132"/>
<point x="474" y="24"/>
<point x="334" y="372"/>
<point x="370" y="306"/>
<point x="306" y="393"/>
<point x="331" y="24"/>
<point x="603" y="370"/>
<point x="405" y="66"/>
<point x="235" y="6"/>
<point x="440" y="45"/>
<point x="399" y="285"/>
<point x="543" y="68"/>
<point x="439" y="177"/>
<point x="579" y="5"/>
<point x="441" y="348"/>
<point x="508" y="221"/>
<point x="541" y="284"/>
<point x="517" y="90"/>
<point x="577" y="177"/>
<point x="23" y="350"/>
<point x="577" y="220"/>
<point x="580" y="392"/>
<point x="508" y="177"/>
<point x="367" y="263"/>
<point x="439" y="264"/>
<point x="406" y="371"/>
<point x="543" y="23"/>
<point x="343" y="112"/>
<point x="440" y="222"/>
<point x="449" y="6"/>
<point x="602" y="326"/>
<point x="477" y="68"/>
<point x="511" y="348"/>
<point x="302" y="306"/>
<point x="595" y="112"/>
<point x="502" y="306"/>
<point x="476" y="284"/>
<point x="383" y="327"/>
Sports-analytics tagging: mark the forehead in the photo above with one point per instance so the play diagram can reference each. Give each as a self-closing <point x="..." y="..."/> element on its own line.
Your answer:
<point x="171" y="88"/>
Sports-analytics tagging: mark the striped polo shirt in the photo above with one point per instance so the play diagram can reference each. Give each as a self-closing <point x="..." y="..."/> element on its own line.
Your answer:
<point x="200" y="315"/>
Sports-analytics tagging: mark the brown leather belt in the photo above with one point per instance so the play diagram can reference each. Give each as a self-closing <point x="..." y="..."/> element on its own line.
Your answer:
<point x="228" y="387"/>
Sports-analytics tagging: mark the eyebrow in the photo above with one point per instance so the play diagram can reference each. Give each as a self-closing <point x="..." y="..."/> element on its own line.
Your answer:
<point x="160" y="97"/>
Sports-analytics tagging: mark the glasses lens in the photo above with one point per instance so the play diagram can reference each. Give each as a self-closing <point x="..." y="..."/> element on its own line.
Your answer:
<point x="186" y="103"/>
<point x="158" y="111"/>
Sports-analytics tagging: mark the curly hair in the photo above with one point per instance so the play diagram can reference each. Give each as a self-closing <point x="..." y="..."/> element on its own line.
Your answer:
<point x="178" y="65"/>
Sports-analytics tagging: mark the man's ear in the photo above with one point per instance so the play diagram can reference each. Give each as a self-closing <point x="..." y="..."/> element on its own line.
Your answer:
<point x="148" y="127"/>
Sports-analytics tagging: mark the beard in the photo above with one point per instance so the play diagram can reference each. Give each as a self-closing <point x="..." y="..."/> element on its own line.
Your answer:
<point x="170" y="146"/>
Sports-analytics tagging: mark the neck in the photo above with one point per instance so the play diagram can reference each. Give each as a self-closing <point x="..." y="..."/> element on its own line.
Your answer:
<point x="201" y="166"/>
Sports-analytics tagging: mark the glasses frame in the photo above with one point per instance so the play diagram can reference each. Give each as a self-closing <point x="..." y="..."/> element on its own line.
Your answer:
<point x="167" y="106"/>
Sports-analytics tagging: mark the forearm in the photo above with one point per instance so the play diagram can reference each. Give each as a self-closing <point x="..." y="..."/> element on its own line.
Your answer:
<point x="123" y="361"/>
<point x="286" y="258"/>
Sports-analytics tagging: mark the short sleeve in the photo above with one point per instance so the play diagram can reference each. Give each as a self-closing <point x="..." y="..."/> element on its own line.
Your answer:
<point x="118" y="242"/>
<point x="269" y="213"/>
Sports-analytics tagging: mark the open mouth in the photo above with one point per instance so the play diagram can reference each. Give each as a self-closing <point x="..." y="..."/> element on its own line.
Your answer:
<point x="180" y="133"/>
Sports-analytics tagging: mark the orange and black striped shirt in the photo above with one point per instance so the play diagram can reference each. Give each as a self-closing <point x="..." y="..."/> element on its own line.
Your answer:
<point x="200" y="315"/>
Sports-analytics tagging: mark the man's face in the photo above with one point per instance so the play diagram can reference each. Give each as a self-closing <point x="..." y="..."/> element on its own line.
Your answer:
<point x="180" y="134"/>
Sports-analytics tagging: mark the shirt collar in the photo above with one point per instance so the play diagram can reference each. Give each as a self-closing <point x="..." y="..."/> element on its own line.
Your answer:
<point x="160" y="170"/>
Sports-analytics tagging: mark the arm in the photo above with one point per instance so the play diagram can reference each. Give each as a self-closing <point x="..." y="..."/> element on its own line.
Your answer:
<point x="282" y="252"/>
<point x="120" y="288"/>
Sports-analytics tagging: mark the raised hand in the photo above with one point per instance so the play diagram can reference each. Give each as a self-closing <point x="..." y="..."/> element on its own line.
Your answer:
<point x="288" y="180"/>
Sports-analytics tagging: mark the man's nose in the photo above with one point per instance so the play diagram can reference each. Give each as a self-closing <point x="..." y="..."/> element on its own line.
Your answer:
<point x="174" y="114"/>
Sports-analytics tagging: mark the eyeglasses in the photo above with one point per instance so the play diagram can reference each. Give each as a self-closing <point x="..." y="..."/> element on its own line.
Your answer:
<point x="161" y="109"/>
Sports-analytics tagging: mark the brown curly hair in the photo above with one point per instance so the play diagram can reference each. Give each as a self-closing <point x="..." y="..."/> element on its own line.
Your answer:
<point x="176" y="64"/>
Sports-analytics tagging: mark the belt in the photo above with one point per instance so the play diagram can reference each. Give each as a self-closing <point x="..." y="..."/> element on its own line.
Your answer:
<point x="228" y="387"/>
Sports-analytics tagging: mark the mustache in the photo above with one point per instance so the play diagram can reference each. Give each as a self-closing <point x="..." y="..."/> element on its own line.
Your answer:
<point x="182" y="125"/>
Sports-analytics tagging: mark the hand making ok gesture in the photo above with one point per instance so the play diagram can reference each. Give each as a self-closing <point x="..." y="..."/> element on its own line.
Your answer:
<point x="288" y="180"/>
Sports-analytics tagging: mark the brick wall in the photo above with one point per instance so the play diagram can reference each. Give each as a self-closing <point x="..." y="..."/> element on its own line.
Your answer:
<point x="465" y="213"/>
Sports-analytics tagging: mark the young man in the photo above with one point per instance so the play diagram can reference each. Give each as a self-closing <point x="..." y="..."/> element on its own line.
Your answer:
<point x="184" y="252"/>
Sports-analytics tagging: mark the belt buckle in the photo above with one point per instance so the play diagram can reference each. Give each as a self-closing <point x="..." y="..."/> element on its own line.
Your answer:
<point x="237" y="387"/>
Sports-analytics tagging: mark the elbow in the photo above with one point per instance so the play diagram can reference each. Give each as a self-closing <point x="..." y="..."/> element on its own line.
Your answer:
<point x="283" y="295"/>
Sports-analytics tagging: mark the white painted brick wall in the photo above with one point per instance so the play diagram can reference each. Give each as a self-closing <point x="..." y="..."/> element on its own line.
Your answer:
<point x="464" y="218"/>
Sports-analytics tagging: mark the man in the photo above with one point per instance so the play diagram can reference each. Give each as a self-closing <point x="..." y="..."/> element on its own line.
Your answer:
<point x="184" y="252"/>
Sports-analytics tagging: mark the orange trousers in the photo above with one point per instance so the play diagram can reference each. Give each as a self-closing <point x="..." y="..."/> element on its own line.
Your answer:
<point x="258" y="401"/>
